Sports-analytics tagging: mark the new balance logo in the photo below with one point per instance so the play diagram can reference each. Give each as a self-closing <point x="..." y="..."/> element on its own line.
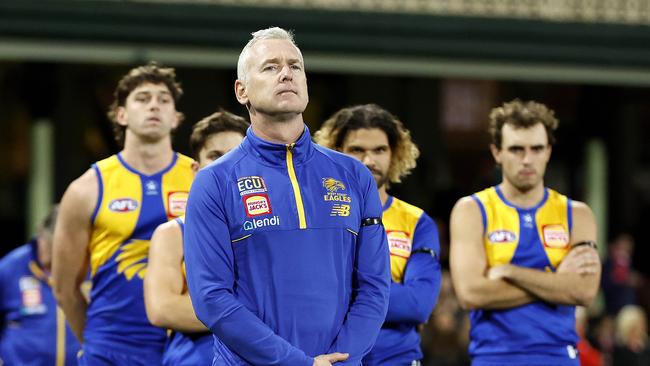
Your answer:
<point x="340" y="210"/>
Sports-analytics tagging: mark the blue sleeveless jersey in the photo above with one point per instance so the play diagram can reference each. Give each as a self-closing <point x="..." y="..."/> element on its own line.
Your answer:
<point x="130" y="207"/>
<point x="539" y="333"/>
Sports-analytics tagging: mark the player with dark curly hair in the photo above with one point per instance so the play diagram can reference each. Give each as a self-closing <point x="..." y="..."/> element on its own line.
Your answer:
<point x="379" y="140"/>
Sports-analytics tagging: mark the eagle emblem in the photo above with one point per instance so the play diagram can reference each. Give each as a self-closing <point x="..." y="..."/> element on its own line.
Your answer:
<point x="332" y="185"/>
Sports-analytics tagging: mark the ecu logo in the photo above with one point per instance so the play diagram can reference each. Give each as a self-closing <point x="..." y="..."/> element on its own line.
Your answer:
<point x="332" y="185"/>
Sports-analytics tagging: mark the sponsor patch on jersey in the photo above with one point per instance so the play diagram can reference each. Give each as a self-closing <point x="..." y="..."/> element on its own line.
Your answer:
<point x="176" y="203"/>
<point x="399" y="243"/>
<point x="340" y="210"/>
<point x="251" y="185"/>
<point x="502" y="237"/>
<point x="257" y="204"/>
<point x="32" y="298"/>
<point x="555" y="236"/>
<point x="334" y="191"/>
<point x="260" y="223"/>
<point x="123" y="205"/>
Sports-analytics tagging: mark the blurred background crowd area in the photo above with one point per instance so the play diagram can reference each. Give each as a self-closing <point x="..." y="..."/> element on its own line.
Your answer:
<point x="439" y="65"/>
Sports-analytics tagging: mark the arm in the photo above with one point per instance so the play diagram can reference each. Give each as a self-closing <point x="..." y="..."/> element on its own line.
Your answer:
<point x="468" y="264"/>
<point x="210" y="265"/>
<point x="413" y="300"/>
<point x="3" y="288"/>
<point x="372" y="286"/>
<point x="70" y="249"/>
<point x="166" y="304"/>
<point x="563" y="287"/>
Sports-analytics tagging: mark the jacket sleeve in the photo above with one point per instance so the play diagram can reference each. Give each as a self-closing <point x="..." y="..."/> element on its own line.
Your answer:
<point x="371" y="284"/>
<point x="413" y="300"/>
<point x="3" y="289"/>
<point x="210" y="277"/>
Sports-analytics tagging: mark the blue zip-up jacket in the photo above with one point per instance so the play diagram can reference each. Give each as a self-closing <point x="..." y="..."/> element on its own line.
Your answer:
<point x="33" y="331"/>
<point x="285" y="256"/>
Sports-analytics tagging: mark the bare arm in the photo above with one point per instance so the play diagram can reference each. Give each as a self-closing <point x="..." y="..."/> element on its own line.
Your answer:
<point x="70" y="248"/>
<point x="468" y="262"/>
<point x="166" y="304"/>
<point x="575" y="285"/>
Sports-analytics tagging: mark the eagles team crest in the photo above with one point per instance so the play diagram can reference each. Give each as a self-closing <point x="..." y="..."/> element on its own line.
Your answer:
<point x="334" y="191"/>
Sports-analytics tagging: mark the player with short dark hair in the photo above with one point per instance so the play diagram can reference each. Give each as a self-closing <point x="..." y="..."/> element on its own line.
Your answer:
<point x="523" y="255"/>
<point x="107" y="218"/>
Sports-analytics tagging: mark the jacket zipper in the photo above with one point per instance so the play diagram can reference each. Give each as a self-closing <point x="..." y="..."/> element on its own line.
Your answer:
<point x="296" y="188"/>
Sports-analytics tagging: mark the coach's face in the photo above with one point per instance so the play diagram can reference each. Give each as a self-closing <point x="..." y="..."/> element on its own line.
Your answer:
<point x="275" y="82"/>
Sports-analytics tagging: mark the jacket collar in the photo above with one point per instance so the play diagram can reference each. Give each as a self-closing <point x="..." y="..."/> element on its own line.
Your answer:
<point x="276" y="154"/>
<point x="34" y="265"/>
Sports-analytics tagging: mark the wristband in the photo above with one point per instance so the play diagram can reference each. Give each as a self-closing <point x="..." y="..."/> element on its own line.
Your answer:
<point x="589" y="243"/>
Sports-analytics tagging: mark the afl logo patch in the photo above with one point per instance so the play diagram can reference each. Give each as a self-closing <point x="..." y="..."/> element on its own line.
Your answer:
<point x="257" y="204"/>
<point x="502" y="237"/>
<point x="555" y="236"/>
<point x="176" y="203"/>
<point x="123" y="205"/>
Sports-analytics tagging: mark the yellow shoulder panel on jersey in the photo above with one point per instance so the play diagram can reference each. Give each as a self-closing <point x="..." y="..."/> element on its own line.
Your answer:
<point x="175" y="185"/>
<point x="119" y="208"/>
<point x="399" y="221"/>
<point x="502" y="231"/>
<point x="553" y="227"/>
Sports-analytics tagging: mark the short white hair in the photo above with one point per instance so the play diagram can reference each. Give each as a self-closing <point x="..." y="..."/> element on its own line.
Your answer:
<point x="268" y="33"/>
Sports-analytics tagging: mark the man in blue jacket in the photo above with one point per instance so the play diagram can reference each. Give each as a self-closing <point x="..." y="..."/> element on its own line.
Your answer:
<point x="286" y="257"/>
<point x="33" y="329"/>
<point x="380" y="140"/>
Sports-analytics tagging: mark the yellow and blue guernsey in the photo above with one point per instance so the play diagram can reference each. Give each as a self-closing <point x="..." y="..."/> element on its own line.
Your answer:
<point x="33" y="329"/>
<point x="285" y="254"/>
<point x="130" y="207"/>
<point x="415" y="269"/>
<point x="539" y="333"/>
<point x="188" y="349"/>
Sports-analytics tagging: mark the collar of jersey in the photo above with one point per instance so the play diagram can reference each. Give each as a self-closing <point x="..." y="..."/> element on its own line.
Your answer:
<point x="276" y="154"/>
<point x="503" y="198"/>
<point x="34" y="265"/>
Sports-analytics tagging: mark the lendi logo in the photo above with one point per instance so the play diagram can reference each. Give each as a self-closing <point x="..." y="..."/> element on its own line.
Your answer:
<point x="334" y="188"/>
<point x="260" y="223"/>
